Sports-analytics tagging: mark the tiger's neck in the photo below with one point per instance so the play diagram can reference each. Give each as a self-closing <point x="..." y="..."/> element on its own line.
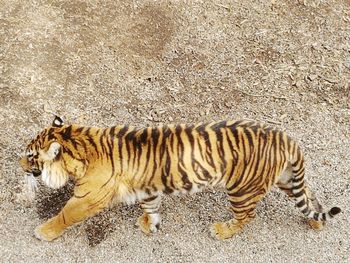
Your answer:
<point x="87" y="145"/>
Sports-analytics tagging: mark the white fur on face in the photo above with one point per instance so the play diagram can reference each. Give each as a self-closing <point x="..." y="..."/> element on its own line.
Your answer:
<point x="52" y="152"/>
<point x="54" y="175"/>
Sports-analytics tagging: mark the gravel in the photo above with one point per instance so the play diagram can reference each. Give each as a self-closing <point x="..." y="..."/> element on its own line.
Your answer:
<point x="145" y="63"/>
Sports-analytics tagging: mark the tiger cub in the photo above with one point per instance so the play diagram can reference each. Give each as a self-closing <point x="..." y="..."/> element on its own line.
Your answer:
<point x="126" y="164"/>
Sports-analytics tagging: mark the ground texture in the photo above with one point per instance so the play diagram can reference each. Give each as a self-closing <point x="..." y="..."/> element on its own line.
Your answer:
<point x="286" y="63"/>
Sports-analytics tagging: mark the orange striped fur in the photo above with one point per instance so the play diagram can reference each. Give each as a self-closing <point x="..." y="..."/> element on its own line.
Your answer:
<point x="129" y="165"/>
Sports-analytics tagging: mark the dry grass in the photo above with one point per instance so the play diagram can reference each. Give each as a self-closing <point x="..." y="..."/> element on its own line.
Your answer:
<point x="146" y="62"/>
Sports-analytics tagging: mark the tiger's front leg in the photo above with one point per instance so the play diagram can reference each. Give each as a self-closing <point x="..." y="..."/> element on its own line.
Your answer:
<point x="149" y="222"/>
<point x="78" y="208"/>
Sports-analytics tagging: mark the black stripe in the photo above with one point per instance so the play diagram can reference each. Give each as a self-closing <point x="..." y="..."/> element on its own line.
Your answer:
<point x="220" y="147"/>
<point x="300" y="173"/>
<point x="80" y="129"/>
<point x="298" y="160"/>
<point x="162" y="146"/>
<point x="110" y="145"/>
<point x="128" y="151"/>
<point x="148" y="154"/>
<point x="249" y="169"/>
<point x="301" y="203"/>
<point x="112" y="132"/>
<point x="180" y="144"/>
<point x="58" y="156"/>
<point x="188" y="132"/>
<point x="122" y="132"/>
<point x="80" y="184"/>
<point x="298" y="179"/>
<point x="244" y="149"/>
<point x="98" y="201"/>
<point x="81" y="196"/>
<point x="69" y="152"/>
<point x="67" y="133"/>
<point x="217" y="126"/>
<point x="204" y="171"/>
<point x="120" y="135"/>
<point x="208" y="149"/>
<point x="257" y="159"/>
<point x="51" y="135"/>
<point x="248" y="134"/>
<point x="143" y="139"/>
<point x="101" y="141"/>
<point x="130" y="136"/>
<point x="283" y="142"/>
<point x="149" y="199"/>
<point x="166" y="174"/>
<point x="275" y="149"/>
<point x="129" y="141"/>
<point x="235" y="134"/>
<point x="300" y="168"/>
<point x="155" y="134"/>
<point x="237" y="123"/>
<point x="245" y="202"/>
<point x="74" y="144"/>
<point x="83" y="144"/>
<point x="301" y="193"/>
<point x="298" y="186"/>
<point x="148" y="190"/>
<point x="91" y="140"/>
<point x="186" y="183"/>
<point x="154" y="138"/>
<point x="137" y="148"/>
<point x="63" y="217"/>
<point x="234" y="151"/>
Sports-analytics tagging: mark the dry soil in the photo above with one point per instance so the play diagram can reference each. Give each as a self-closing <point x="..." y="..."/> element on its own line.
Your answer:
<point x="103" y="63"/>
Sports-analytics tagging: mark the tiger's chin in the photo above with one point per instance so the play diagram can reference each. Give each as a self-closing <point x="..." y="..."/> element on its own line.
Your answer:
<point x="54" y="175"/>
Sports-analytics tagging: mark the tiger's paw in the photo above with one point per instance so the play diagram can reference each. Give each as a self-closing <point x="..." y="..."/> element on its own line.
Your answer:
<point x="48" y="231"/>
<point x="146" y="225"/>
<point x="224" y="230"/>
<point x="316" y="225"/>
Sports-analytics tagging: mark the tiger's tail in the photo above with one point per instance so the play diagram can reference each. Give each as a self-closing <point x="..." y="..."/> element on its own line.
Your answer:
<point x="299" y="193"/>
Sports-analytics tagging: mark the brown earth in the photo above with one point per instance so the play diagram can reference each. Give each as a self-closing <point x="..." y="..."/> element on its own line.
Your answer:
<point x="286" y="63"/>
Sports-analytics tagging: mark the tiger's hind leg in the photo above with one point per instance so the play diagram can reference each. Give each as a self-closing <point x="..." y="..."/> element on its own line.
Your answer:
<point x="285" y="184"/>
<point x="243" y="207"/>
<point x="149" y="221"/>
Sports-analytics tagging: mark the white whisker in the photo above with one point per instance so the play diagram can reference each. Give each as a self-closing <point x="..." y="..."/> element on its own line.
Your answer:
<point x="31" y="183"/>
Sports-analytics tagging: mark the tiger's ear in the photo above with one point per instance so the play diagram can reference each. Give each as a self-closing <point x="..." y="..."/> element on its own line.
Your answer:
<point x="57" y="122"/>
<point x="53" y="151"/>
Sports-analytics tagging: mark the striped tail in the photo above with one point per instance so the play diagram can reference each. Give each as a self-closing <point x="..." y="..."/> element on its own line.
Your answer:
<point x="298" y="190"/>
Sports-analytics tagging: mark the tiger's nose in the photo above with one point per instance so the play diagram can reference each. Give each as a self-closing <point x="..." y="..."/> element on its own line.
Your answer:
<point x="36" y="173"/>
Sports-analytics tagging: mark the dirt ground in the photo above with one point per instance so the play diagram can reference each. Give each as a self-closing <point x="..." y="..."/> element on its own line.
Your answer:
<point x="286" y="63"/>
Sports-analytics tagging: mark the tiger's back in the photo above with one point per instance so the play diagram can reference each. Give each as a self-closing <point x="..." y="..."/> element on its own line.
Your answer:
<point x="186" y="157"/>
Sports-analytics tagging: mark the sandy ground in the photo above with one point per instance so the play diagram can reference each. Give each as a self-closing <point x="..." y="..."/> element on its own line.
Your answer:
<point x="148" y="62"/>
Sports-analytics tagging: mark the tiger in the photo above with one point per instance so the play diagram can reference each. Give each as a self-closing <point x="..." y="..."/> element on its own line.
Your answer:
<point x="125" y="164"/>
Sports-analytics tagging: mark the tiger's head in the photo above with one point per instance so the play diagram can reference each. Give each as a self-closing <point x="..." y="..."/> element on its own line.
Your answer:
<point x="43" y="156"/>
